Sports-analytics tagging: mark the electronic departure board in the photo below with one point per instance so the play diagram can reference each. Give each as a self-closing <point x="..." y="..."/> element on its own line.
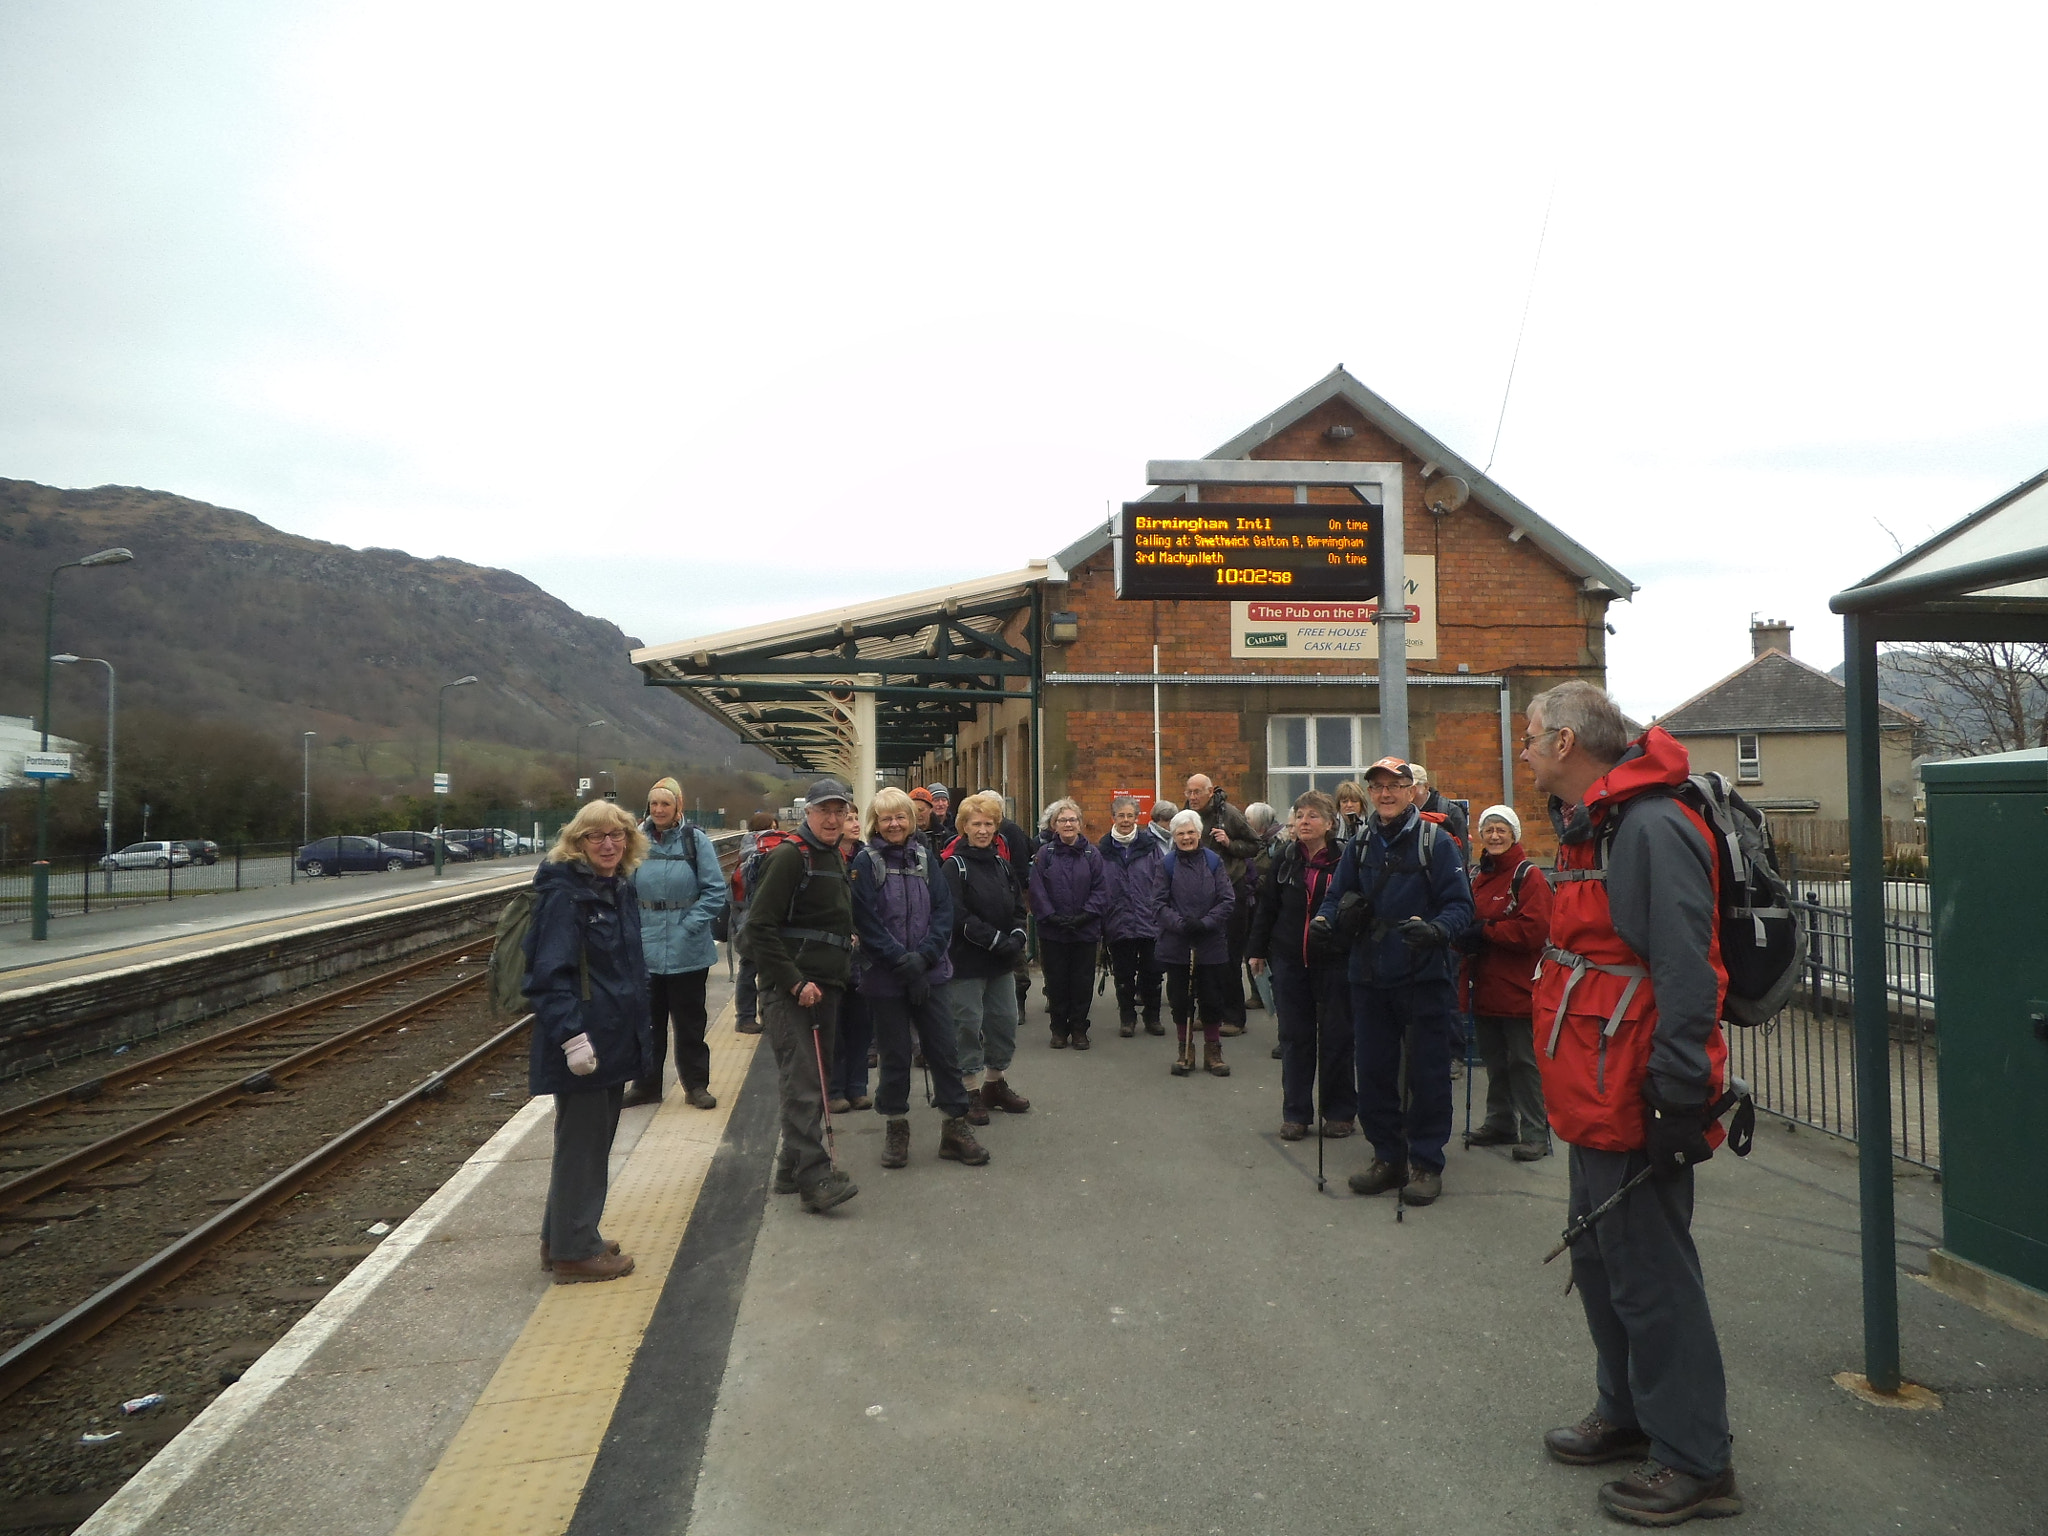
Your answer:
<point x="1232" y="551"/>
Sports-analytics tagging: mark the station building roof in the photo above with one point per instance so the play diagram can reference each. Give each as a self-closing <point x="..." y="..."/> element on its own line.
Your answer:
<point x="931" y="658"/>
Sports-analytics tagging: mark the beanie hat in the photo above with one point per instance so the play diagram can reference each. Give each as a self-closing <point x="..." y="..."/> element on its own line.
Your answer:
<point x="1502" y="813"/>
<point x="672" y="787"/>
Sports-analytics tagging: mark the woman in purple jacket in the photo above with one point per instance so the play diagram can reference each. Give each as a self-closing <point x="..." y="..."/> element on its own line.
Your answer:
<point x="1195" y="898"/>
<point x="1130" y="923"/>
<point x="1069" y="894"/>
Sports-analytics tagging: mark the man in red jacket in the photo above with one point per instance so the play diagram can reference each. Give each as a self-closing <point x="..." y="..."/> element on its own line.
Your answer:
<point x="1628" y="1036"/>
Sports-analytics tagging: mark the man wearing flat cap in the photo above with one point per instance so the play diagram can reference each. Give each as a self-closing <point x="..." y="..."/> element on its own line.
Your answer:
<point x="1410" y="895"/>
<point x="799" y="936"/>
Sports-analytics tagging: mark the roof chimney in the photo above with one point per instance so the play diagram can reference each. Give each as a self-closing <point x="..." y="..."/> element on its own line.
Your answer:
<point x="1769" y="635"/>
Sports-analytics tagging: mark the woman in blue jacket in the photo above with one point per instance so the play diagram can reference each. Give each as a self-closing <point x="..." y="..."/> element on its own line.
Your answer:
<point x="682" y="891"/>
<point x="1069" y="894"/>
<point x="587" y="982"/>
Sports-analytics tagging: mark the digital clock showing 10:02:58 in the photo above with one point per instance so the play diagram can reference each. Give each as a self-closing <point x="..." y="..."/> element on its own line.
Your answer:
<point x="1220" y="551"/>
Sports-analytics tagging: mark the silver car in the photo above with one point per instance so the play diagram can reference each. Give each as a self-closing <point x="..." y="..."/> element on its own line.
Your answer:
<point x="147" y="856"/>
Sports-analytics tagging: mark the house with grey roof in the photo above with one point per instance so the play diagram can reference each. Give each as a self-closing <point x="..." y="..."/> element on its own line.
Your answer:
<point x="1778" y="729"/>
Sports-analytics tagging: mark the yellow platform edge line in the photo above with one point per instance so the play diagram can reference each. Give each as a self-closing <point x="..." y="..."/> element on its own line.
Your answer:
<point x="531" y="1439"/>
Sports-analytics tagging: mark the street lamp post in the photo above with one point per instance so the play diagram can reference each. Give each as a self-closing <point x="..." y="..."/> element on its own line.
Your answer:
<point x="63" y="660"/>
<point x="306" y="788"/>
<point x="39" y="890"/>
<point x="579" y="753"/>
<point x="440" y="721"/>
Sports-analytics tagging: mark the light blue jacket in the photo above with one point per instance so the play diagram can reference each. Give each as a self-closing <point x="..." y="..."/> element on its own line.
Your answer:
<point x="681" y="891"/>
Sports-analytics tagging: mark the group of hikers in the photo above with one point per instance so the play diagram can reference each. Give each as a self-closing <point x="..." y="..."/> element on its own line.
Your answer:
<point x="1372" y="920"/>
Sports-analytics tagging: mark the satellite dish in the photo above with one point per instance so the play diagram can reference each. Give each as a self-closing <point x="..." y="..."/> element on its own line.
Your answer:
<point x="1446" y="495"/>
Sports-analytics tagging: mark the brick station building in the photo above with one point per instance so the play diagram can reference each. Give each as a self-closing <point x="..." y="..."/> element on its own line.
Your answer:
<point x="1256" y="694"/>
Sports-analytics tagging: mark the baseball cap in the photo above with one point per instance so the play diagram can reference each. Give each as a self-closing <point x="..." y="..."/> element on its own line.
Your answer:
<point x="826" y="790"/>
<point x="921" y="793"/>
<point x="1397" y="766"/>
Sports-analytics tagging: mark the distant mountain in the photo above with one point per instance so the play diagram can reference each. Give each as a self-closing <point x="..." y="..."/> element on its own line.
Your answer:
<point x="221" y="617"/>
<point x="1961" y="692"/>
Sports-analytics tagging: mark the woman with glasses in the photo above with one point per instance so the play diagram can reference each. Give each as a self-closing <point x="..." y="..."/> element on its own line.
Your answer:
<point x="681" y="891"/>
<point x="586" y="980"/>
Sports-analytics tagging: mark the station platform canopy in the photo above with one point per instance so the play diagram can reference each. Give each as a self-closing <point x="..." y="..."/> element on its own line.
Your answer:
<point x="893" y="678"/>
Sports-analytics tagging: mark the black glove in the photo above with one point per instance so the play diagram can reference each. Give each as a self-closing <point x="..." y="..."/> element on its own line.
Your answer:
<point x="1675" y="1133"/>
<point x="910" y="965"/>
<point x="1060" y="922"/>
<point x="917" y="990"/>
<point x="1420" y="933"/>
<point x="1009" y="945"/>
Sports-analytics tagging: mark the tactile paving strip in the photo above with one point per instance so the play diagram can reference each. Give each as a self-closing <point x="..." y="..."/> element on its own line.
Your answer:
<point x="521" y="1458"/>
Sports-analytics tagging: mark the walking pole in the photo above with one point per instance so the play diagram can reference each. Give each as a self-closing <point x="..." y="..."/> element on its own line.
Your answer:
<point x="1320" y="1087"/>
<point x="824" y="1093"/>
<point x="1584" y="1224"/>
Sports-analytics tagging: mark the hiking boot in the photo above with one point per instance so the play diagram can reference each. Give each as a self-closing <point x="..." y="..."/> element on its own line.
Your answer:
<point x="896" y="1144"/>
<point x="1278" y="1053"/>
<point x="1127" y="1027"/>
<point x="1081" y="1041"/>
<point x="701" y="1098"/>
<point x="1654" y="1494"/>
<point x="998" y="1094"/>
<point x="1292" y="1130"/>
<point x="1594" y="1440"/>
<point x="547" y="1260"/>
<point x="747" y="1027"/>
<point x="839" y="1106"/>
<point x="1337" y="1130"/>
<point x="1153" y="1026"/>
<point x="1229" y="1030"/>
<point x="861" y="1101"/>
<point x="1531" y="1151"/>
<point x="1213" y="1062"/>
<point x="606" y="1266"/>
<point x="1493" y="1136"/>
<point x="640" y="1093"/>
<point x="1253" y="1000"/>
<point x="1379" y="1177"/>
<point x="1059" y="1041"/>
<point x="1423" y="1186"/>
<point x="833" y="1189"/>
<point x="785" y="1181"/>
<point x="977" y="1107"/>
<point x="1184" y="1063"/>
<point x="957" y="1144"/>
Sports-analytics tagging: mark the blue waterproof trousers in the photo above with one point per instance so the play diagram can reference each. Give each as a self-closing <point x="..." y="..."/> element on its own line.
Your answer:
<point x="1409" y="1128"/>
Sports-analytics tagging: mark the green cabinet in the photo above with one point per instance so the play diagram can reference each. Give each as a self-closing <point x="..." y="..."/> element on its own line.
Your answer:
<point x="1987" y="829"/>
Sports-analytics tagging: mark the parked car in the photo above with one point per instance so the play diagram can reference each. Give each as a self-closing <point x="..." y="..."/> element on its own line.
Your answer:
<point x="340" y="855"/>
<point x="147" y="856"/>
<point x="201" y="850"/>
<point x="423" y="843"/>
<point x="484" y="842"/>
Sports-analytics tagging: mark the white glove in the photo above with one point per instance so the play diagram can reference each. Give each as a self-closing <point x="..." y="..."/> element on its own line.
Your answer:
<point x="582" y="1059"/>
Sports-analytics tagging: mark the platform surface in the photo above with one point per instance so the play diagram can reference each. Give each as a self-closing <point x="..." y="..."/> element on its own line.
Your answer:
<point x="90" y="943"/>
<point x="1140" y="1317"/>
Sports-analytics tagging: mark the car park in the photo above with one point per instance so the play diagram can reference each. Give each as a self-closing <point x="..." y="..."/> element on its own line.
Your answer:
<point x="200" y="849"/>
<point x="342" y="855"/>
<point x="484" y="842"/>
<point x="147" y="856"/>
<point x="423" y="843"/>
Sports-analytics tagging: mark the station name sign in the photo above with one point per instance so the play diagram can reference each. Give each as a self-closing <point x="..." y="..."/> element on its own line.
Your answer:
<point x="1231" y="551"/>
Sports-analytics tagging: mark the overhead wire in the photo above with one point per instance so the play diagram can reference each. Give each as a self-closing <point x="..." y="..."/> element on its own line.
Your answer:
<point x="1508" y="388"/>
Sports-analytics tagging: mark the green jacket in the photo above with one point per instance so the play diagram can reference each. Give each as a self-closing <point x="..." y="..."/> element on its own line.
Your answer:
<point x="782" y="901"/>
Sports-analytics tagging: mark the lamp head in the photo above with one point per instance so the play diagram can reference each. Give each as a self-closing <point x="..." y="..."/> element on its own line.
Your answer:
<point x="109" y="557"/>
<point x="66" y="657"/>
<point x="593" y="725"/>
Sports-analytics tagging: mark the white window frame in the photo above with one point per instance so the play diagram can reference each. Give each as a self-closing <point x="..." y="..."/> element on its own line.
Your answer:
<point x="1364" y="752"/>
<point x="1749" y="766"/>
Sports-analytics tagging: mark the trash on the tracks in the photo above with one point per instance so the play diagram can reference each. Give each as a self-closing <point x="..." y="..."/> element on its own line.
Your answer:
<point x="378" y="1228"/>
<point x="143" y="1404"/>
<point x="498" y="1095"/>
<point x="114" y="1434"/>
<point x="120" y="1050"/>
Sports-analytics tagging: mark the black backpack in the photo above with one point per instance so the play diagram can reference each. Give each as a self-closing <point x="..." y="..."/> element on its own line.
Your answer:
<point x="1762" y="943"/>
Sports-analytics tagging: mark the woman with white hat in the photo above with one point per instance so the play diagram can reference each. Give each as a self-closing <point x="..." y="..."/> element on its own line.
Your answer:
<point x="1511" y="923"/>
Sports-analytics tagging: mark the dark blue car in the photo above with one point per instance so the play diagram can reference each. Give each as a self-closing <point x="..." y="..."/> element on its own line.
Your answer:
<point x="343" y="855"/>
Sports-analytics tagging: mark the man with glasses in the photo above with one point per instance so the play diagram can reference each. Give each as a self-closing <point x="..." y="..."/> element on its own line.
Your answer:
<point x="799" y="934"/>
<point x="1628" y="1038"/>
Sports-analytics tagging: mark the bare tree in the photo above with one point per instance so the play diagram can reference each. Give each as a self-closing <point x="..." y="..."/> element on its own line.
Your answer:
<point x="1975" y="697"/>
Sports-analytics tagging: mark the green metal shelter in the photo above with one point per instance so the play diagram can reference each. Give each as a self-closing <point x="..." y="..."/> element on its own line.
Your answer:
<point x="1985" y="579"/>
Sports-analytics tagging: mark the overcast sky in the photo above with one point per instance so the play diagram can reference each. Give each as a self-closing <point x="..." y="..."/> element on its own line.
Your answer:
<point x="700" y="315"/>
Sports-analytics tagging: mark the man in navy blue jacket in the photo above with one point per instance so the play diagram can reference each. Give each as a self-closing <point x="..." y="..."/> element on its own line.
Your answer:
<point x="1411" y="894"/>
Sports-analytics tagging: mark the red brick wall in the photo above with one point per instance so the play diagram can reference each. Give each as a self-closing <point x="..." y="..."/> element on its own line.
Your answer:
<point x="1503" y="607"/>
